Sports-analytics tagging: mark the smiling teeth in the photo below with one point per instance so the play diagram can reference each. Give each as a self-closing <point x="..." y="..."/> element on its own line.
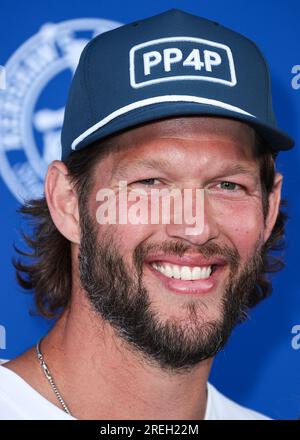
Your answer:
<point x="183" y="272"/>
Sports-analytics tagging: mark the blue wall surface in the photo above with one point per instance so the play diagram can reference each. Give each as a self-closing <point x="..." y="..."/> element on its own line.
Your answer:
<point x="260" y="367"/>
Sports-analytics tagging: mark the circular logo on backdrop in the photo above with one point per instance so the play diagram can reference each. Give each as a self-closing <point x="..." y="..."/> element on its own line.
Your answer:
<point x="38" y="76"/>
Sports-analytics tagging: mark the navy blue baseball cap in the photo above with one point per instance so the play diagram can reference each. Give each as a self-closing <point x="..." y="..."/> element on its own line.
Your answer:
<point x="172" y="64"/>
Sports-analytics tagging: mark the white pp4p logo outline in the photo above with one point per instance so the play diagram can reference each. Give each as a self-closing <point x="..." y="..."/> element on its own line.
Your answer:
<point x="174" y="55"/>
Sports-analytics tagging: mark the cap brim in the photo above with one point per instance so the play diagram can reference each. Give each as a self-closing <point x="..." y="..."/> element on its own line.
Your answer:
<point x="275" y="139"/>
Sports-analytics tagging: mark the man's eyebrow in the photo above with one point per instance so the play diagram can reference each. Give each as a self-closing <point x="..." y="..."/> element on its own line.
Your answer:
<point x="238" y="169"/>
<point x="151" y="164"/>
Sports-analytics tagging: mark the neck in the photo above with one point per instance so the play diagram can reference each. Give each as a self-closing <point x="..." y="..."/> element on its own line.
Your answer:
<point x="101" y="377"/>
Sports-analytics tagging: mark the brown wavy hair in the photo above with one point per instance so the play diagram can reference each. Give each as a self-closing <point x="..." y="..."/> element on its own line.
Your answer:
<point x="47" y="267"/>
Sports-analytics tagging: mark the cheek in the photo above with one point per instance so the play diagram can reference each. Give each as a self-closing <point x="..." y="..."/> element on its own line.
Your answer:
<point x="128" y="237"/>
<point x="133" y="221"/>
<point x="126" y="224"/>
<point x="243" y="225"/>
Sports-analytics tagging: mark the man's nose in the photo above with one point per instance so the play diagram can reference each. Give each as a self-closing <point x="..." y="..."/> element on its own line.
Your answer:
<point x="197" y="221"/>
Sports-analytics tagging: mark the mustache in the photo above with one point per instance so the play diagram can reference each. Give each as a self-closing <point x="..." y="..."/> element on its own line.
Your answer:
<point x="179" y="248"/>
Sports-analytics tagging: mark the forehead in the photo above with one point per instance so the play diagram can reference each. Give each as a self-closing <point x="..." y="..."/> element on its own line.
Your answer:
<point x="191" y="127"/>
<point x="184" y="139"/>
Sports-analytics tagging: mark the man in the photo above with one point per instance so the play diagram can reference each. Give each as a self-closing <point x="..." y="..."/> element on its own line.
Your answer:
<point x="173" y="102"/>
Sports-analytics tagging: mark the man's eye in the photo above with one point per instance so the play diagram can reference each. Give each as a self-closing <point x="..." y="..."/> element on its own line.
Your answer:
<point x="229" y="186"/>
<point x="148" y="182"/>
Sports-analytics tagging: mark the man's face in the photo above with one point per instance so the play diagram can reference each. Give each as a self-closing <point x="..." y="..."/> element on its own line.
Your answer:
<point x="138" y="276"/>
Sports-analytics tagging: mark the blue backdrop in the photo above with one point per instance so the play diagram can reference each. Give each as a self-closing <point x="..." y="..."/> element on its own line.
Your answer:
<point x="39" y="45"/>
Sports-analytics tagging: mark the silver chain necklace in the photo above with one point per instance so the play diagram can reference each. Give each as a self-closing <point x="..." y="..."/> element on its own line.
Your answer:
<point x="50" y="378"/>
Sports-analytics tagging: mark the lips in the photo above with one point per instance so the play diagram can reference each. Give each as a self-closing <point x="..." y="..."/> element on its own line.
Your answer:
<point x="205" y="283"/>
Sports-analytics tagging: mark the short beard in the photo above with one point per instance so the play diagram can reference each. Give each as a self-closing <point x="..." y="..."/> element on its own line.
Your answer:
<point x="117" y="294"/>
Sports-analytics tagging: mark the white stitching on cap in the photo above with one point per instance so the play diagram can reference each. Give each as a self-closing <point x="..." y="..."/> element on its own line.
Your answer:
<point x="156" y="100"/>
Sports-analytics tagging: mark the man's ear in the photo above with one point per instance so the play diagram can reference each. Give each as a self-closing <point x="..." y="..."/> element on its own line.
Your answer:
<point x="274" y="206"/>
<point x="62" y="201"/>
